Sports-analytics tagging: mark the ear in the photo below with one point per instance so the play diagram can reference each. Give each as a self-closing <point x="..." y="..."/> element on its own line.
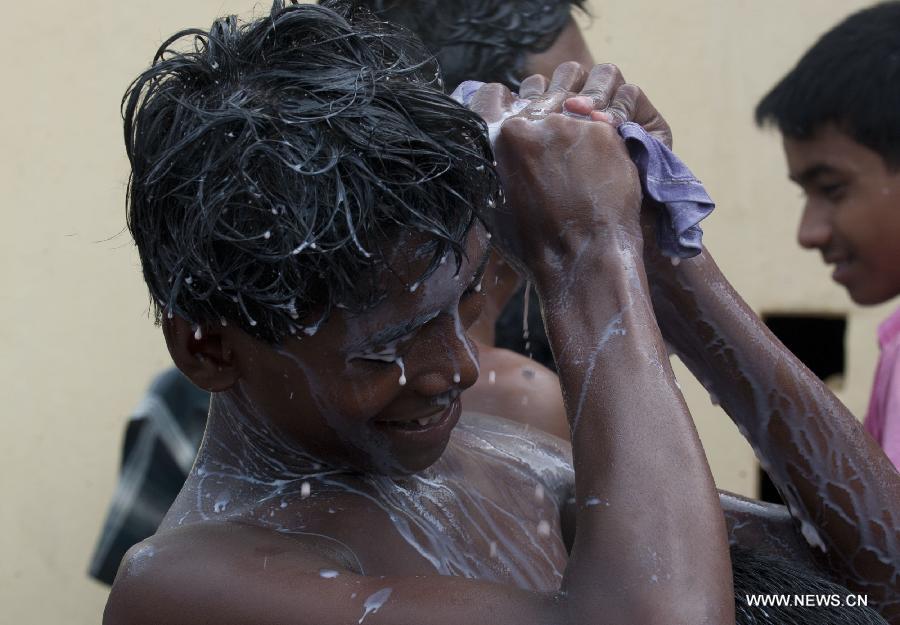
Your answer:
<point x="205" y="353"/>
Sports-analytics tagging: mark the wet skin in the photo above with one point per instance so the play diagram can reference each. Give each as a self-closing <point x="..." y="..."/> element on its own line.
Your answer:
<point x="843" y="492"/>
<point x="529" y="393"/>
<point x="651" y="543"/>
<point x="521" y="389"/>
<point x="851" y="213"/>
<point x="340" y="390"/>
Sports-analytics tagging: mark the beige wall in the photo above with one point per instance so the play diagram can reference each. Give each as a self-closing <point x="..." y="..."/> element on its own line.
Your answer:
<point x="78" y="348"/>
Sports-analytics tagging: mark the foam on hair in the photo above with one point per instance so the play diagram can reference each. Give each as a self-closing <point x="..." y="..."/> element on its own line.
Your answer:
<point x="275" y="163"/>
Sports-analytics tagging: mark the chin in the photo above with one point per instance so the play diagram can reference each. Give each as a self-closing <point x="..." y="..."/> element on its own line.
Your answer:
<point x="404" y="465"/>
<point x="869" y="297"/>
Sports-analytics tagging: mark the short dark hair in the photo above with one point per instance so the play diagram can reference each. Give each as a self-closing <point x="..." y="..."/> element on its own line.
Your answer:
<point x="274" y="163"/>
<point x="484" y="40"/>
<point x="850" y="77"/>
<point x="758" y="574"/>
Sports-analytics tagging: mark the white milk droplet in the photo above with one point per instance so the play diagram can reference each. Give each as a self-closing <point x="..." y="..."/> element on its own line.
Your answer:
<point x="402" y="380"/>
<point x="304" y="490"/>
<point x="328" y="573"/>
<point x="456" y="378"/>
<point x="492" y="376"/>
<point x="375" y="601"/>
<point x="675" y="261"/>
<point x="812" y="536"/>
<point x="222" y="502"/>
<point x="539" y="493"/>
<point x="543" y="528"/>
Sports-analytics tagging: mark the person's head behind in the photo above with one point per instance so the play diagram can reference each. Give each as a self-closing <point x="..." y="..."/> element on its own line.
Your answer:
<point x="489" y="40"/>
<point x="839" y="113"/>
<point x="289" y="175"/>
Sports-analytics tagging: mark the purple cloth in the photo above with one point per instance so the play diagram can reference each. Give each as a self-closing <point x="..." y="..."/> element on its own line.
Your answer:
<point x="664" y="178"/>
<point x="670" y="183"/>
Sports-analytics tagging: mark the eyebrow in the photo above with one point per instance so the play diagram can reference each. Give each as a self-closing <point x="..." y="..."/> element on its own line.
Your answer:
<point x="395" y="333"/>
<point x="809" y="174"/>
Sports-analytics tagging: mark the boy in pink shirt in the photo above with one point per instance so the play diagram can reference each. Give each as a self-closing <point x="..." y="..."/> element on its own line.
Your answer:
<point x="883" y="418"/>
<point x="837" y="113"/>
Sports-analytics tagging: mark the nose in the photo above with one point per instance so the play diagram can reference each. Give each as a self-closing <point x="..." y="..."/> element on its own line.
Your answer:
<point x="445" y="359"/>
<point x="814" y="231"/>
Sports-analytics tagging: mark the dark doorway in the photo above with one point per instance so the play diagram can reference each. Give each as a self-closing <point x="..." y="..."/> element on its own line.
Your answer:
<point x="818" y="341"/>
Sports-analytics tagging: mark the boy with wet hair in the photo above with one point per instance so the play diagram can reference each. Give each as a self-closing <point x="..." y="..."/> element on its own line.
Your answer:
<point x="307" y="206"/>
<point x="838" y="111"/>
<point x="338" y="479"/>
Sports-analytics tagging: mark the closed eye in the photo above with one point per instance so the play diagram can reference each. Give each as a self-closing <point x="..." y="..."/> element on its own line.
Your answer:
<point x="833" y="192"/>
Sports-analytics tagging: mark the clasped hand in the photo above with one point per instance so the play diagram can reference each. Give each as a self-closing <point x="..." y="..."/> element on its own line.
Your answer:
<point x="569" y="183"/>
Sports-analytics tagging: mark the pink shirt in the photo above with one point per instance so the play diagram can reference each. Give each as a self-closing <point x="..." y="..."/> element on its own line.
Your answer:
<point x="883" y="419"/>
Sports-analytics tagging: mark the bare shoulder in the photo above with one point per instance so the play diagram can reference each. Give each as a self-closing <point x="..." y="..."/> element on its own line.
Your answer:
<point x="180" y="575"/>
<point x="517" y="388"/>
<point x="230" y="574"/>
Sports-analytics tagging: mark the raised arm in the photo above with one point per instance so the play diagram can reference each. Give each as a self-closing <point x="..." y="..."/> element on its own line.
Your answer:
<point x="650" y="547"/>
<point x="840" y="487"/>
<point x="647" y="507"/>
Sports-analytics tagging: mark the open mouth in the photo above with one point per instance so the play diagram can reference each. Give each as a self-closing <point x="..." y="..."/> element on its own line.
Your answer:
<point x="436" y="415"/>
<point x="416" y="424"/>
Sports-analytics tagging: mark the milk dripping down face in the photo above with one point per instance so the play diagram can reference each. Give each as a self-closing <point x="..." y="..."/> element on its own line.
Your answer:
<point x="376" y="391"/>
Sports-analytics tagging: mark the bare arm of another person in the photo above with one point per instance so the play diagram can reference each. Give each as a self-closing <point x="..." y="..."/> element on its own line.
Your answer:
<point x="837" y="482"/>
<point x="834" y="477"/>
<point x="657" y="554"/>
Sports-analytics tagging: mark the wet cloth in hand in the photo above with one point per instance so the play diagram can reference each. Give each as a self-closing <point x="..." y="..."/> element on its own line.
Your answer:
<point x="683" y="200"/>
<point x="668" y="181"/>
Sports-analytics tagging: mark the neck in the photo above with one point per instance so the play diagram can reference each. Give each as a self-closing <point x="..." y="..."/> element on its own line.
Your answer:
<point x="239" y="440"/>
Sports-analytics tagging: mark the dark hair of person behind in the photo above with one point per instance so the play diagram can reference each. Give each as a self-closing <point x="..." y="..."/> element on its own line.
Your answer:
<point x="757" y="574"/>
<point x="484" y="40"/>
<point x="850" y="77"/>
<point x="275" y="163"/>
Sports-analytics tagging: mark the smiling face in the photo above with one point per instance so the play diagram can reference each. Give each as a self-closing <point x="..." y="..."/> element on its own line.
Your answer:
<point x="852" y="212"/>
<point x="377" y="391"/>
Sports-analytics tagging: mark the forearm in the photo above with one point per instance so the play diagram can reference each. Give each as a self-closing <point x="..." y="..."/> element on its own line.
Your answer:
<point x="646" y="503"/>
<point x="833" y="476"/>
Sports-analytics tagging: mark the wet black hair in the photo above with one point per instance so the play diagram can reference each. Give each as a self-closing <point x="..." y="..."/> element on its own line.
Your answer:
<point x="275" y="163"/>
<point x="850" y="77"/>
<point x="759" y="574"/>
<point x="484" y="40"/>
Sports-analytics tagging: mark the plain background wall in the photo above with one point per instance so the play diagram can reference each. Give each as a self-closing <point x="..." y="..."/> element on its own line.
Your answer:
<point x="78" y="348"/>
